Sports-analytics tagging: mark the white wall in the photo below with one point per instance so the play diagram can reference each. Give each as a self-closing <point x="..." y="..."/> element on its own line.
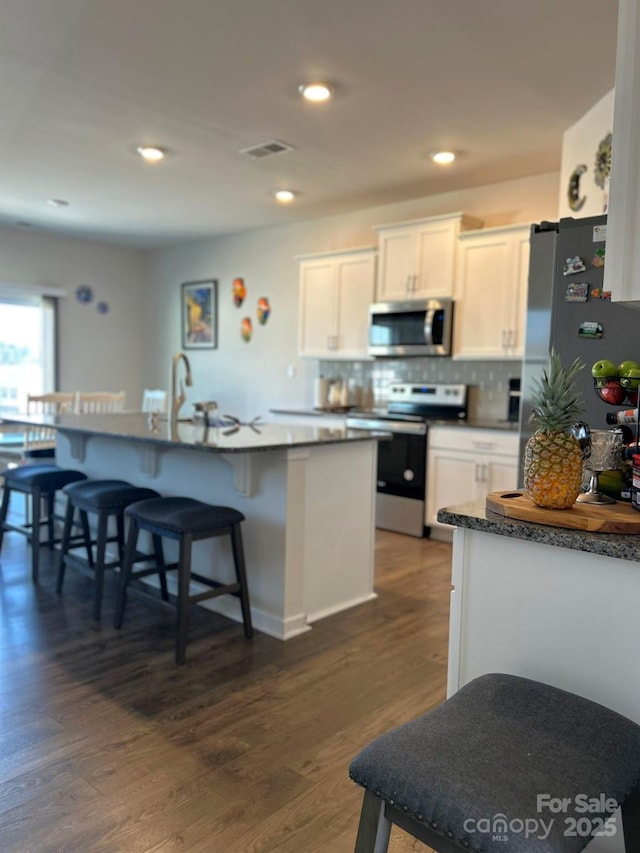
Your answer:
<point x="579" y="147"/>
<point x="132" y="346"/>
<point x="97" y="352"/>
<point x="249" y="379"/>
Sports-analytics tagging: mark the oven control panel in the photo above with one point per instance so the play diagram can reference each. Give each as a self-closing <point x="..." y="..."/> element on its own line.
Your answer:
<point x="428" y="394"/>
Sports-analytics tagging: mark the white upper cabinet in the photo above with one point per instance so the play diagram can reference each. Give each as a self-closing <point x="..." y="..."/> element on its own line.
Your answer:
<point x="417" y="258"/>
<point x="622" y="269"/>
<point x="336" y="289"/>
<point x="491" y="293"/>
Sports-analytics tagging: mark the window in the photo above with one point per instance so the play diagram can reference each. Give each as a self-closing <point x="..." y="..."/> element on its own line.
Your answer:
<point x="27" y="348"/>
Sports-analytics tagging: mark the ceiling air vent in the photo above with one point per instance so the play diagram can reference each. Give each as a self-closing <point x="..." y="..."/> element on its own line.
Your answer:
<point x="266" y="149"/>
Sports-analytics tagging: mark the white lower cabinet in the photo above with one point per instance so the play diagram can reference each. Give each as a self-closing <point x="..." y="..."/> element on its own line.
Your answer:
<point x="465" y="464"/>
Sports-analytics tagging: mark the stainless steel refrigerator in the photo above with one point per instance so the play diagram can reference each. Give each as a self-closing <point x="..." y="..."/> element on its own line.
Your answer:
<point x="590" y="330"/>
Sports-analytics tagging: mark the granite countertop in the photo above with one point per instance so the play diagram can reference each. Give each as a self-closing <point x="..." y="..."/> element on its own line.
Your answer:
<point x="475" y="516"/>
<point x="507" y="426"/>
<point x="337" y="412"/>
<point x="224" y="438"/>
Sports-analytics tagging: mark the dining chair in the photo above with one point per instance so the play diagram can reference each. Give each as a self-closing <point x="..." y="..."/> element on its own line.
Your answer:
<point x="98" y="402"/>
<point x="54" y="403"/>
<point x="39" y="442"/>
<point x="154" y="400"/>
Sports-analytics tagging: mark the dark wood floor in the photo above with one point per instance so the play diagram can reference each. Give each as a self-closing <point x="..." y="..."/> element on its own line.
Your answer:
<point x="106" y="745"/>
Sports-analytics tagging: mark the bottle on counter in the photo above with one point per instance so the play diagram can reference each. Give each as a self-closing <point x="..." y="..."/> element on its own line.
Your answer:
<point x="335" y="393"/>
<point x="321" y="393"/>
<point x="367" y="401"/>
<point x="628" y="416"/>
<point x="355" y="393"/>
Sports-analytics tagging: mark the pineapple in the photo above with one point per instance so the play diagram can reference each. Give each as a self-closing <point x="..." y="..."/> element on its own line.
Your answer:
<point x="553" y="456"/>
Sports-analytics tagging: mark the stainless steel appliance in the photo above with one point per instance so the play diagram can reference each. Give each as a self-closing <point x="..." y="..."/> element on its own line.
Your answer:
<point x="402" y="459"/>
<point x="513" y="405"/>
<point x="590" y="330"/>
<point x="416" y="327"/>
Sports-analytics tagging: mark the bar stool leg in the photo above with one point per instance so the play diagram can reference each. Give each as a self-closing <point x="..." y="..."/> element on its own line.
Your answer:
<point x="120" y="534"/>
<point x="101" y="547"/>
<point x="241" y="577"/>
<point x="86" y="532"/>
<point x="374" y="829"/>
<point x="50" y="500"/>
<point x="184" y="574"/>
<point x="631" y="820"/>
<point x="125" y="573"/>
<point x="4" y="509"/>
<point x="159" y="558"/>
<point x="36" y="498"/>
<point x="64" y="545"/>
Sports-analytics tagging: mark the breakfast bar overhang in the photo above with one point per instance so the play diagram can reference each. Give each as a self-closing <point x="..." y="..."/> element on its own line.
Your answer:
<point x="307" y="493"/>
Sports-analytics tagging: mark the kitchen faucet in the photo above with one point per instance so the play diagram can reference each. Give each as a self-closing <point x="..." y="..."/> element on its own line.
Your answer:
<point x="178" y="399"/>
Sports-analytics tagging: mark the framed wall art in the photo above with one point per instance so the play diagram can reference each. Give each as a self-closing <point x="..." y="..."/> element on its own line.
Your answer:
<point x="199" y="314"/>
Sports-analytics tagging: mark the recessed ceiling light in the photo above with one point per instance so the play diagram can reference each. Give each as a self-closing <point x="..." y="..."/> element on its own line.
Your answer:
<point x="284" y="196"/>
<point x="58" y="202"/>
<point x="443" y="157"/>
<point x="316" y="92"/>
<point x="151" y="153"/>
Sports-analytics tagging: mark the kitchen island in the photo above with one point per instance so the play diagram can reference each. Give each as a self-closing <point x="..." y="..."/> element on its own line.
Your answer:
<point x="307" y="494"/>
<point x="550" y="603"/>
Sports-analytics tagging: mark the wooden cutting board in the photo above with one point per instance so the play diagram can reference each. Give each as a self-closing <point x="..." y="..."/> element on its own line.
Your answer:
<point x="609" y="518"/>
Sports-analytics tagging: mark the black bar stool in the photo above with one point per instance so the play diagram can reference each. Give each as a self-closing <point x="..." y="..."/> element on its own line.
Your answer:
<point x="186" y="521"/>
<point x="506" y="764"/>
<point x="38" y="482"/>
<point x="106" y="499"/>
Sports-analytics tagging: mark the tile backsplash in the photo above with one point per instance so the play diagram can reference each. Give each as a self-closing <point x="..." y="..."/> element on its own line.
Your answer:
<point x="488" y="381"/>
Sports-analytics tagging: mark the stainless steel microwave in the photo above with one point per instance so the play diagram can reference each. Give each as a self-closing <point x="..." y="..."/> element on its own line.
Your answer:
<point x="416" y="327"/>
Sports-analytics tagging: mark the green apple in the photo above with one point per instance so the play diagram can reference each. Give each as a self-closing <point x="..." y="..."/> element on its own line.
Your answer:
<point x="624" y="366"/>
<point x="603" y="368"/>
<point x="631" y="378"/>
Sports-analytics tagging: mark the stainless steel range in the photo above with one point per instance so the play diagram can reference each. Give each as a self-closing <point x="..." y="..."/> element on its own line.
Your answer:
<point x="402" y="460"/>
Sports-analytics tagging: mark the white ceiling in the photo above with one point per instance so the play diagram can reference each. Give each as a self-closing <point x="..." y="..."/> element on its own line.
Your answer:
<point x="82" y="82"/>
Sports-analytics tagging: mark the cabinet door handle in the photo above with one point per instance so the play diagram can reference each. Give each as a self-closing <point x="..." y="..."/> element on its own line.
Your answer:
<point x="481" y="470"/>
<point x="415" y="283"/>
<point x="483" y="445"/>
<point x="512" y="339"/>
<point x="408" y="284"/>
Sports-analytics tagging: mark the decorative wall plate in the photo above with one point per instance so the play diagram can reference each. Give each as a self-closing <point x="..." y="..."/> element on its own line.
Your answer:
<point x="603" y="161"/>
<point x="239" y="291"/>
<point x="263" y="310"/>
<point x="246" y="329"/>
<point x="573" y="190"/>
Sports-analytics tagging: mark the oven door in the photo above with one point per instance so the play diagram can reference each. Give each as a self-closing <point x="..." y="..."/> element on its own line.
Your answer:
<point x="401" y="474"/>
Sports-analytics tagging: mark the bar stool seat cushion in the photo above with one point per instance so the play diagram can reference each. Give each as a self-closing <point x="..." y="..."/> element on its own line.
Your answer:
<point x="491" y="749"/>
<point x="182" y="515"/>
<point x="49" y="478"/>
<point x="106" y="494"/>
